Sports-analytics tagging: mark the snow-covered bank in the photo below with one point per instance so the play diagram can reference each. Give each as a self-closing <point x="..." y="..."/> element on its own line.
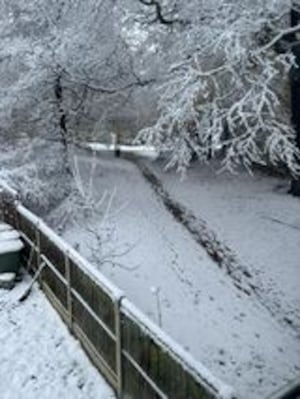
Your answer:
<point x="135" y="241"/>
<point x="257" y="219"/>
<point x="38" y="357"/>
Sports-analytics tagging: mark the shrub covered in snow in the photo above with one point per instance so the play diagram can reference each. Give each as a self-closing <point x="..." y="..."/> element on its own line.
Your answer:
<point x="37" y="172"/>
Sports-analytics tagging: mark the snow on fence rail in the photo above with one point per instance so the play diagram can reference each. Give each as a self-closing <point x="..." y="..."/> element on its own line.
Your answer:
<point x="137" y="358"/>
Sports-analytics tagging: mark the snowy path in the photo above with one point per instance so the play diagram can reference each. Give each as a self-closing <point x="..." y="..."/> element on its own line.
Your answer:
<point x="232" y="334"/>
<point x="38" y="356"/>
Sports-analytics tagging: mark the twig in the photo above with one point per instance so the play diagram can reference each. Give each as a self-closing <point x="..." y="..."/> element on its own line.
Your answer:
<point x="29" y="288"/>
<point x="30" y="258"/>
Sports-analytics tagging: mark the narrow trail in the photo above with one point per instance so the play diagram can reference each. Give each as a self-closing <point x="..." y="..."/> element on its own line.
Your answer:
<point x="219" y="252"/>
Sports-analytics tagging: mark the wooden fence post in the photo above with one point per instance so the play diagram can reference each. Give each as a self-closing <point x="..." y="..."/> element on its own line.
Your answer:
<point x="38" y="247"/>
<point x="16" y="216"/>
<point x="69" y="292"/>
<point x="118" y="330"/>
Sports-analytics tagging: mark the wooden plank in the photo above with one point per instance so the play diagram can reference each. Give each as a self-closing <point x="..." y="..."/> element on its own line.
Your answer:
<point x="102" y="342"/>
<point x="56" y="285"/>
<point x="55" y="302"/>
<point x="53" y="253"/>
<point x="97" y="360"/>
<point x="154" y="388"/>
<point x="93" y="295"/>
<point x="93" y="314"/>
<point x="118" y="332"/>
<point x="163" y="372"/>
<point x="69" y="295"/>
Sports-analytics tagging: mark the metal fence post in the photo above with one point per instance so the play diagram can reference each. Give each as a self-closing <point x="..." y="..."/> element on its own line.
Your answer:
<point x="118" y="329"/>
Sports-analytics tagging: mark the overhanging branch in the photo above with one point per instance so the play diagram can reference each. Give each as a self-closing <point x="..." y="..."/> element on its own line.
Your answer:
<point x="159" y="16"/>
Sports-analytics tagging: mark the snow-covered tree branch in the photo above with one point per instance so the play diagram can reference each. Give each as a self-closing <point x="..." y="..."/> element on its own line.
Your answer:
<point x="61" y="64"/>
<point x="228" y="96"/>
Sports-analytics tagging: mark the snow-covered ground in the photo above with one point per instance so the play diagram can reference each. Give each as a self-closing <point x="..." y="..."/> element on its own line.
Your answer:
<point x="38" y="357"/>
<point x="257" y="219"/>
<point x="133" y="239"/>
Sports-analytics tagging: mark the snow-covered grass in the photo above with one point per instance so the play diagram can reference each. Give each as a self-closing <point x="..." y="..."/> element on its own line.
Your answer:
<point x="167" y="274"/>
<point x="257" y="219"/>
<point x="38" y="357"/>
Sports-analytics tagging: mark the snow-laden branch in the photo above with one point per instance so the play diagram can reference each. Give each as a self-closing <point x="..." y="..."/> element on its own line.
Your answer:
<point x="278" y="37"/>
<point x="225" y="99"/>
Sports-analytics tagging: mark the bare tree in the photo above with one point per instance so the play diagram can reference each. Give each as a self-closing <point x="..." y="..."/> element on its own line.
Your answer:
<point x="58" y="61"/>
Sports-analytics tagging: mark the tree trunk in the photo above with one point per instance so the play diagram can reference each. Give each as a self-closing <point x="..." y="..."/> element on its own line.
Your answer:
<point x="62" y="124"/>
<point x="295" y="94"/>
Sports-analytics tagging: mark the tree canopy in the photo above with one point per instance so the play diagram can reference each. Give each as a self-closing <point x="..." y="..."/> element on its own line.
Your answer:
<point x="196" y="79"/>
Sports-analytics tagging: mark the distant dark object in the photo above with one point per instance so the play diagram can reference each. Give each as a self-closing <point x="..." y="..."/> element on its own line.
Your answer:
<point x="117" y="152"/>
<point x="295" y="189"/>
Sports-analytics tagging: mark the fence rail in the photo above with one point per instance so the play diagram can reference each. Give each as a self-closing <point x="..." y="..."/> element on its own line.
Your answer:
<point x="135" y="356"/>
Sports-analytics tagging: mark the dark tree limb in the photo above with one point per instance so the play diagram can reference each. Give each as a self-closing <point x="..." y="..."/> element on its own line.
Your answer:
<point x="295" y="93"/>
<point x="62" y="115"/>
<point x="159" y="15"/>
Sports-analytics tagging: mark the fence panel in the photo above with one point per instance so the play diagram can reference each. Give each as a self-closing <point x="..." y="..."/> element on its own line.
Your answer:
<point x="56" y="285"/>
<point x="103" y="342"/>
<point x="135" y="386"/>
<point x="99" y="301"/>
<point x="27" y="227"/>
<point x="54" y="254"/>
<point x="82" y="303"/>
<point x="169" y="378"/>
<point x="133" y="354"/>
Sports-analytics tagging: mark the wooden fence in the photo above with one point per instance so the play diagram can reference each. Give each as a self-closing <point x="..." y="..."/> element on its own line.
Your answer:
<point x="135" y="356"/>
